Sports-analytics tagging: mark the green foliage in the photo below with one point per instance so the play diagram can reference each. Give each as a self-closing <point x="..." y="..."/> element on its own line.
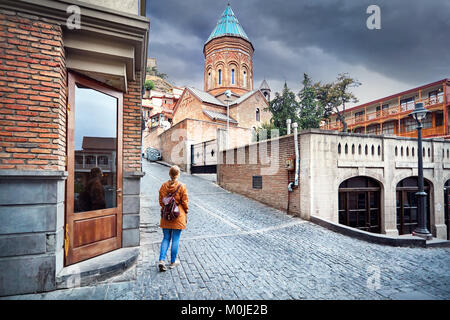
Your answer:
<point x="149" y="85"/>
<point x="265" y="131"/>
<point x="153" y="71"/>
<point x="284" y="107"/>
<point x="331" y="96"/>
<point x="311" y="113"/>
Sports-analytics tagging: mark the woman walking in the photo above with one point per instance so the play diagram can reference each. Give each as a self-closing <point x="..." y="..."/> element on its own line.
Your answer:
<point x="172" y="228"/>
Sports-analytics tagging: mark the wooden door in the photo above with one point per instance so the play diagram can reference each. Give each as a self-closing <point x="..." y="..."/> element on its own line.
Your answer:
<point x="94" y="165"/>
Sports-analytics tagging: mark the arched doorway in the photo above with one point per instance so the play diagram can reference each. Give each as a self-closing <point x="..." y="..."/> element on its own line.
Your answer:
<point x="360" y="204"/>
<point x="447" y="207"/>
<point x="407" y="204"/>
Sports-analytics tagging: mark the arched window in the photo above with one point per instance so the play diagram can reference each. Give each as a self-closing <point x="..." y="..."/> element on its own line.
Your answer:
<point x="209" y="80"/>
<point x="258" y="117"/>
<point x="232" y="76"/>
<point x="220" y="76"/>
<point x="245" y="79"/>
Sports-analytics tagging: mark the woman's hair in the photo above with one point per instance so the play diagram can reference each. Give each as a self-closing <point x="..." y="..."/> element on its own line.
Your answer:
<point x="174" y="172"/>
<point x="96" y="172"/>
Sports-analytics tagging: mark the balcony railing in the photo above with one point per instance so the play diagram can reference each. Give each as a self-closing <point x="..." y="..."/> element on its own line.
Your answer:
<point x="427" y="132"/>
<point x="385" y="113"/>
<point x="92" y="165"/>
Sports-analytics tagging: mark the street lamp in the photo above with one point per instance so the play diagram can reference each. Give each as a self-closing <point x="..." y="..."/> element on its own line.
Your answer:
<point x="421" y="230"/>
<point x="228" y="95"/>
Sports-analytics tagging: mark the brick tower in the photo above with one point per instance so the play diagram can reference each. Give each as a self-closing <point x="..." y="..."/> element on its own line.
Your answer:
<point x="228" y="57"/>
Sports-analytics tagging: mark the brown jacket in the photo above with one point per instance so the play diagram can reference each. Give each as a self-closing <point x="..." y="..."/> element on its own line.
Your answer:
<point x="96" y="193"/>
<point x="181" y="199"/>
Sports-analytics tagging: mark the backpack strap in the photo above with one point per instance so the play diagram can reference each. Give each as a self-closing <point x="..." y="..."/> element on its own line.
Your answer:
<point x="173" y="194"/>
<point x="176" y="190"/>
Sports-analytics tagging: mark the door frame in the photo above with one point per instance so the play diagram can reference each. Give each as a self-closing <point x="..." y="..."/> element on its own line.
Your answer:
<point x="447" y="207"/>
<point x="73" y="255"/>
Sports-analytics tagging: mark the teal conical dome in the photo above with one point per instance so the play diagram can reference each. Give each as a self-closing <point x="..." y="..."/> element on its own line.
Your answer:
<point x="228" y="25"/>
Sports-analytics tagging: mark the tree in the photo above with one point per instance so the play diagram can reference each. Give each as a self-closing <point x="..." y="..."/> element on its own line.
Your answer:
<point x="149" y="85"/>
<point x="332" y="96"/>
<point x="284" y="107"/>
<point x="153" y="71"/>
<point x="311" y="112"/>
<point x="265" y="131"/>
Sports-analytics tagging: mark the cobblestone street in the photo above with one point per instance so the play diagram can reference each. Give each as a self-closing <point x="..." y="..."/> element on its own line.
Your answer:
<point x="237" y="248"/>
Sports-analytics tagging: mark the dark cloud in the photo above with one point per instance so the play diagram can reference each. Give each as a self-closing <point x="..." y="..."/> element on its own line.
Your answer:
<point x="321" y="38"/>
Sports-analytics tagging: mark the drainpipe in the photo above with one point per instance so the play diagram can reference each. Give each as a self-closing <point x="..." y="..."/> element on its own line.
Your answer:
<point x="288" y="123"/>
<point x="297" y="156"/>
<point x="294" y="184"/>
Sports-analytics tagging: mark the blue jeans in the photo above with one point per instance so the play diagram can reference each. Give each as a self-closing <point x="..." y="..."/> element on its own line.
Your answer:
<point x="174" y="235"/>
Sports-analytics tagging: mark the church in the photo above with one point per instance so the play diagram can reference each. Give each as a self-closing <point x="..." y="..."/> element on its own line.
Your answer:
<point x="202" y="115"/>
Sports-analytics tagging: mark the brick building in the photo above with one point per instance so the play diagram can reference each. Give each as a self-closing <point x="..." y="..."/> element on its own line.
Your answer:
<point x="228" y="65"/>
<point x="70" y="135"/>
<point x="390" y="115"/>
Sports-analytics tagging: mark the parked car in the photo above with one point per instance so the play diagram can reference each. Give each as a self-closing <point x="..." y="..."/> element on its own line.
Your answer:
<point x="152" y="154"/>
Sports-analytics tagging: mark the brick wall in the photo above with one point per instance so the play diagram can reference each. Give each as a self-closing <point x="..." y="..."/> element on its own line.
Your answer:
<point x="172" y="144"/>
<point x="245" y="112"/>
<point x="172" y="141"/>
<point x="32" y="93"/>
<point x="237" y="176"/>
<point x="132" y="101"/>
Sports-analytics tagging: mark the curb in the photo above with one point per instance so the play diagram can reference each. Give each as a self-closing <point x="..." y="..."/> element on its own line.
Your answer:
<point x="371" y="237"/>
<point x="97" y="269"/>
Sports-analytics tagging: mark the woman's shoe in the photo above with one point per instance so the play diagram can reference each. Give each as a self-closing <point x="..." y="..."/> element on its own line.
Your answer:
<point x="162" y="266"/>
<point x="174" y="264"/>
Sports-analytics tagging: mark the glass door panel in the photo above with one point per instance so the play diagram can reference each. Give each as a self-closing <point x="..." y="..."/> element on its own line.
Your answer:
<point x="95" y="181"/>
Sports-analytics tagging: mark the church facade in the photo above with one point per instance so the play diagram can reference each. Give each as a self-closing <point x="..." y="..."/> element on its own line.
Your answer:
<point x="228" y="55"/>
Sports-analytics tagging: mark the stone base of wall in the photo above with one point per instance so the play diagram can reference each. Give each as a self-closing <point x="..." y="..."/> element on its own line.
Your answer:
<point x="31" y="230"/>
<point x="131" y="208"/>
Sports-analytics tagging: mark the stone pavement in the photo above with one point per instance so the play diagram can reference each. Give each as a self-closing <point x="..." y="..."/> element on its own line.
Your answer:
<point x="237" y="248"/>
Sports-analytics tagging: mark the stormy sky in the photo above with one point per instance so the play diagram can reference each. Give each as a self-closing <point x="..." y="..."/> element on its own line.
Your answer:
<point x="319" y="37"/>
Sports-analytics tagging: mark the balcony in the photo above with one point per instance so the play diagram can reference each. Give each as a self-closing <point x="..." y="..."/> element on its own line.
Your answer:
<point x="397" y="110"/>
<point x="428" y="132"/>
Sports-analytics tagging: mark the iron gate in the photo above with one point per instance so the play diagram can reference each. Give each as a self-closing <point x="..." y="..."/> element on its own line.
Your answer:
<point x="204" y="157"/>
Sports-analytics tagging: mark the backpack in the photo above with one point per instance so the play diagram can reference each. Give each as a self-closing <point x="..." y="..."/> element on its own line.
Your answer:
<point x="170" y="210"/>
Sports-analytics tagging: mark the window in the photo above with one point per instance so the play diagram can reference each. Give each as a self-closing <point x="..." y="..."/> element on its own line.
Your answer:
<point x="103" y="160"/>
<point x="439" y="118"/>
<point x="407" y="104"/>
<point x="374" y="129"/>
<point x="232" y="76"/>
<point x="257" y="182"/>
<point x="245" y="80"/>
<point x="220" y="76"/>
<point x="389" y="127"/>
<point x="359" y="116"/>
<point x="409" y="124"/>
<point x="257" y="115"/>
<point x="209" y="80"/>
<point x="432" y="96"/>
<point x="428" y="121"/>
<point x="384" y="107"/>
<point x="436" y="96"/>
